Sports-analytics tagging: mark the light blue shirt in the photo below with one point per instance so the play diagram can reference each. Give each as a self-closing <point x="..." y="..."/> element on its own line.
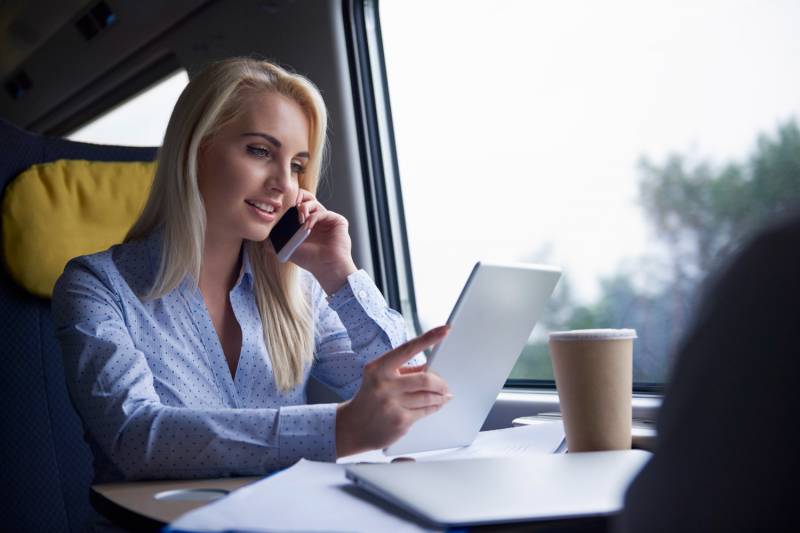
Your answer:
<point x="152" y="385"/>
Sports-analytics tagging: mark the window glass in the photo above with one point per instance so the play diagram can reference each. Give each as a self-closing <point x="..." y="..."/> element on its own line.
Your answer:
<point x="634" y="144"/>
<point x="139" y="121"/>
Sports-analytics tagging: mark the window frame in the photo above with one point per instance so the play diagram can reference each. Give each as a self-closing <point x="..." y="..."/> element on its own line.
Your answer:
<point x="378" y="157"/>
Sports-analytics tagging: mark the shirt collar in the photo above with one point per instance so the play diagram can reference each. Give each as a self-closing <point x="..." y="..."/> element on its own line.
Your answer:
<point x="246" y="272"/>
<point x="153" y="245"/>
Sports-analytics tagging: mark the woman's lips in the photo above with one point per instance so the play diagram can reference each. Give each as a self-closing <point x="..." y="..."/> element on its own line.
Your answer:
<point x="260" y="213"/>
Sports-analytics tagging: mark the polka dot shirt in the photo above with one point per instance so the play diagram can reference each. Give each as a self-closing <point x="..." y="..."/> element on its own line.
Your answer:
<point x="152" y="385"/>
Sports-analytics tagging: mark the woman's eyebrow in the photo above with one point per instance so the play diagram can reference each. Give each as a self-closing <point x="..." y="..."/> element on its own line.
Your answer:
<point x="266" y="136"/>
<point x="274" y="141"/>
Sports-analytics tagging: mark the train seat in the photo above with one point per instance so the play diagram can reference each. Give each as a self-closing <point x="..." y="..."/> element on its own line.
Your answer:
<point x="48" y="468"/>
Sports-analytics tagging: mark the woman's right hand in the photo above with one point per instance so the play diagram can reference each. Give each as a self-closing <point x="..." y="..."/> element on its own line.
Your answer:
<point x="391" y="398"/>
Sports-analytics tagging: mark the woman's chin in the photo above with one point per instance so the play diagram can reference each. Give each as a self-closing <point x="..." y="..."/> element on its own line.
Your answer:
<point x="259" y="235"/>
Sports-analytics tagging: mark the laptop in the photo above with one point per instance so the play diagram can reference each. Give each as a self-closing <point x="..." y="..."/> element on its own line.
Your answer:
<point x="528" y="488"/>
<point x="490" y="325"/>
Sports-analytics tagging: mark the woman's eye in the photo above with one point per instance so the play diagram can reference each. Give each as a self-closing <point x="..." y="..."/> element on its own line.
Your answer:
<point x="297" y="168"/>
<point x="258" y="151"/>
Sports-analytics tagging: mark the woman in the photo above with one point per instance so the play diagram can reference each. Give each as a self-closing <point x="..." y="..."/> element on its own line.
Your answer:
<point x="187" y="348"/>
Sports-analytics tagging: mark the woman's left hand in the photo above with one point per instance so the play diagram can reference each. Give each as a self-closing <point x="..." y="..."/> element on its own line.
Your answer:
<point x="326" y="252"/>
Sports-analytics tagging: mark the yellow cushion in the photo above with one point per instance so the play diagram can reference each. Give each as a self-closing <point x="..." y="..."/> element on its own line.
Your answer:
<point x="55" y="211"/>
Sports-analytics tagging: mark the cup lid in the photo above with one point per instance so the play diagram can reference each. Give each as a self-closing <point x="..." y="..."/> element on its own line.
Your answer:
<point x="593" y="335"/>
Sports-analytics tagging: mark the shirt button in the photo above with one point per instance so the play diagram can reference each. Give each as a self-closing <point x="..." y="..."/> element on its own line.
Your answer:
<point x="362" y="295"/>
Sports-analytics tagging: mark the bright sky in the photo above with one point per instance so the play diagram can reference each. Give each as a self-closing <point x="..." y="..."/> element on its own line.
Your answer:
<point x="519" y="123"/>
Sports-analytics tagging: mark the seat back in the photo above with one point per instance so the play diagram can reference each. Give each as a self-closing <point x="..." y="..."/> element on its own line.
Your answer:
<point x="47" y="468"/>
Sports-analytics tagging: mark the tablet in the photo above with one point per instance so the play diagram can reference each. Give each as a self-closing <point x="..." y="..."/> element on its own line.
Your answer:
<point x="522" y="488"/>
<point x="490" y="325"/>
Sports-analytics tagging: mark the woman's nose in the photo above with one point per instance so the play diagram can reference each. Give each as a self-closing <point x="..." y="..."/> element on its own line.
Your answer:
<point x="281" y="178"/>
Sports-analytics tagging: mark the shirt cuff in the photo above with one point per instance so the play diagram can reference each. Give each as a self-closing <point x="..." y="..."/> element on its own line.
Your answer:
<point x="358" y="292"/>
<point x="307" y="432"/>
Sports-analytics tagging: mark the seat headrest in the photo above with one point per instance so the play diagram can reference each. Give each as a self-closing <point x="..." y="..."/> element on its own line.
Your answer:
<point x="55" y="211"/>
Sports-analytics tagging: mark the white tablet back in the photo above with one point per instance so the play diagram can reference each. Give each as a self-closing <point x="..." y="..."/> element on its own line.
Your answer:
<point x="491" y="322"/>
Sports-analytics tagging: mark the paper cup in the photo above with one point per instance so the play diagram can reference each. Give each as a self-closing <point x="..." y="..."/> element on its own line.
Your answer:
<point x="594" y="377"/>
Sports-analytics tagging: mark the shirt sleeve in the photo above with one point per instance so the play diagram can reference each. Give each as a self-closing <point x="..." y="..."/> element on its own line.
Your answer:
<point x="353" y="327"/>
<point x="111" y="385"/>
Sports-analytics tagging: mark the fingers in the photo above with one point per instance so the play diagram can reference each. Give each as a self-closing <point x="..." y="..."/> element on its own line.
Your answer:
<point x="314" y="218"/>
<point x="389" y="402"/>
<point x="303" y="196"/>
<point x="391" y="361"/>
<point x="328" y="219"/>
<point x="422" y="400"/>
<point x="306" y="209"/>
<point x="306" y="205"/>
<point x="412" y="369"/>
<point x="422" y="382"/>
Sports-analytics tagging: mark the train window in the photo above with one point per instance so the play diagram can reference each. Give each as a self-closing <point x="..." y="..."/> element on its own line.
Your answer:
<point x="140" y="120"/>
<point x="634" y="144"/>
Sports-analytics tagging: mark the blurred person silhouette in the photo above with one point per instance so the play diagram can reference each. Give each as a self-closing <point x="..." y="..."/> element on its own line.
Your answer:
<point x="728" y="443"/>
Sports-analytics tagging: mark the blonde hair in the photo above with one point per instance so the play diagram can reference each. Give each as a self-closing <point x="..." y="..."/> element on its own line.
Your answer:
<point x="211" y="99"/>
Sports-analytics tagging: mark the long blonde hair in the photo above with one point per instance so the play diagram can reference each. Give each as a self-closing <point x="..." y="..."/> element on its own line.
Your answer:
<point x="211" y="99"/>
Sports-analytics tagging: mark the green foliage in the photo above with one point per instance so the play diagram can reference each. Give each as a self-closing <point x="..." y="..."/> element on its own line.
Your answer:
<point x="702" y="213"/>
<point x="533" y="363"/>
<point x="775" y="168"/>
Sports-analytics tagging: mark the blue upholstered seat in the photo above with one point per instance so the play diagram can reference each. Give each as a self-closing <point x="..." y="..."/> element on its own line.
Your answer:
<point x="47" y="470"/>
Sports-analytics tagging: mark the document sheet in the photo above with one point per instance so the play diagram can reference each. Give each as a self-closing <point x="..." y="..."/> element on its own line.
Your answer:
<point x="314" y="497"/>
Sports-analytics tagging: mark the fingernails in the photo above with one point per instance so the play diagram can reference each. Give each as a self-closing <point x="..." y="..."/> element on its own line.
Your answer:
<point x="448" y="396"/>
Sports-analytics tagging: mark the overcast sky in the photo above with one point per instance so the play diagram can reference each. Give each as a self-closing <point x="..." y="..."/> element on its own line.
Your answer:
<point x="520" y="123"/>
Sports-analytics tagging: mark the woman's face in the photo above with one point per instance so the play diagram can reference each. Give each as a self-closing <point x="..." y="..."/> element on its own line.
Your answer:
<point x="249" y="172"/>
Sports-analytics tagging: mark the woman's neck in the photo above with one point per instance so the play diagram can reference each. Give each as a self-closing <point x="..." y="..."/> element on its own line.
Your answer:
<point x="220" y="266"/>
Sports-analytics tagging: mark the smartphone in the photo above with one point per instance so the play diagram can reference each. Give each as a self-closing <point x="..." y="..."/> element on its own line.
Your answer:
<point x="288" y="234"/>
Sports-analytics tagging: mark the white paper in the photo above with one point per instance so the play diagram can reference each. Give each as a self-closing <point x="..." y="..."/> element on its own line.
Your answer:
<point x="308" y="497"/>
<point x="314" y="497"/>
